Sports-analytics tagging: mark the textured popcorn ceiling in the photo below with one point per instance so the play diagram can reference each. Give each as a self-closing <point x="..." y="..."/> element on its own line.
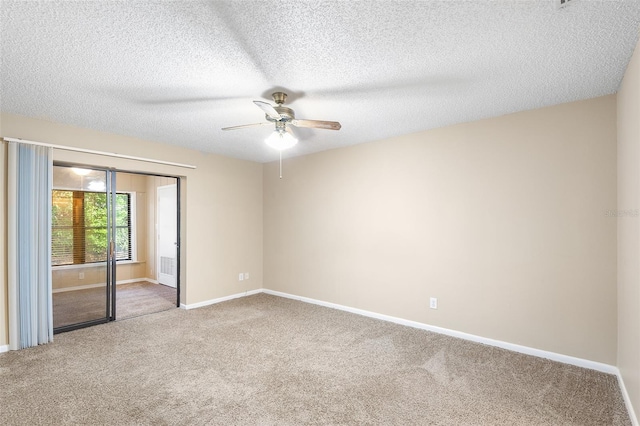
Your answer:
<point x="176" y="72"/>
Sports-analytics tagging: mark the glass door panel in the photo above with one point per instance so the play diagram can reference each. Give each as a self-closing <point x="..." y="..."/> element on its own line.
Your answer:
<point x="81" y="235"/>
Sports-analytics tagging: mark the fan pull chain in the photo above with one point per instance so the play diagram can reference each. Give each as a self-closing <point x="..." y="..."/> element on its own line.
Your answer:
<point x="280" y="164"/>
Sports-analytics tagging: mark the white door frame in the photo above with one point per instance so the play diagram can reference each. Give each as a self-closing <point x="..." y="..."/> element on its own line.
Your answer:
<point x="164" y="278"/>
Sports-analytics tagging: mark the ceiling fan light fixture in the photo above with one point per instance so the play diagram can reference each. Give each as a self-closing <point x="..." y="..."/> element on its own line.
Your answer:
<point x="281" y="140"/>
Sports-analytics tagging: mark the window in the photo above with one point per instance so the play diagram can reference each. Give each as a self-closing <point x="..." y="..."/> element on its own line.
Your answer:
<point x="79" y="227"/>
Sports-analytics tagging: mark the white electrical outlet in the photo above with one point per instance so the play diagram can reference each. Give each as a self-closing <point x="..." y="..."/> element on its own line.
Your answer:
<point x="240" y="276"/>
<point x="433" y="303"/>
<point x="246" y="275"/>
<point x="81" y="276"/>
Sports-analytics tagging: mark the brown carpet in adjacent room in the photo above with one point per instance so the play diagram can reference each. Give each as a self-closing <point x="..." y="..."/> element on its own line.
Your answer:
<point x="132" y="299"/>
<point x="265" y="360"/>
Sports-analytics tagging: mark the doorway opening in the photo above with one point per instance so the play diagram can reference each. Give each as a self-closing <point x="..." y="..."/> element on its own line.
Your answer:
<point x="105" y="242"/>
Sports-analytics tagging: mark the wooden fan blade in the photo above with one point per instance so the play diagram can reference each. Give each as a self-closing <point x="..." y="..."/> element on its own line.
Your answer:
<point x="317" y="124"/>
<point x="246" y="125"/>
<point x="268" y="109"/>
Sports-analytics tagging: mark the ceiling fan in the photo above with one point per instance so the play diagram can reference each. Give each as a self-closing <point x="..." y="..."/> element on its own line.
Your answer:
<point x="282" y="137"/>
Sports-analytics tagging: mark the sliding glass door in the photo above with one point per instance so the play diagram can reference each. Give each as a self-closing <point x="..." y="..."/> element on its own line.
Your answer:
<point x="84" y="246"/>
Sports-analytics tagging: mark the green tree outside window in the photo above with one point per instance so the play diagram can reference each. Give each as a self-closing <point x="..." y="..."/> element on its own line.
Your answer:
<point x="79" y="227"/>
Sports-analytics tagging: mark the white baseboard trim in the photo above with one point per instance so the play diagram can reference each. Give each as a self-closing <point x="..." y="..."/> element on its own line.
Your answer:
<point x="97" y="285"/>
<point x="220" y="299"/>
<point x="77" y="287"/>
<point x="4" y="348"/>
<point x="566" y="359"/>
<point x="627" y="400"/>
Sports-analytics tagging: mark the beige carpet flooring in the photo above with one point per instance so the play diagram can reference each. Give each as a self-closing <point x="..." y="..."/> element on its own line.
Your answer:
<point x="265" y="360"/>
<point x="133" y="299"/>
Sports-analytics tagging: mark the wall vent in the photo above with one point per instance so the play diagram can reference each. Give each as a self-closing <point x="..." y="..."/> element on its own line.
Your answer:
<point x="166" y="265"/>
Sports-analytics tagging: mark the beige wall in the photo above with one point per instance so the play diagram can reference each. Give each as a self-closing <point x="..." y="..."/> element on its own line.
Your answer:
<point x="221" y="203"/>
<point x="503" y="220"/>
<point x="629" y="230"/>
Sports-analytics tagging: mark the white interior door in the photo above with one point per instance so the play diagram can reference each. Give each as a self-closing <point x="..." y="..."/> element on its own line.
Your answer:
<point x="167" y="230"/>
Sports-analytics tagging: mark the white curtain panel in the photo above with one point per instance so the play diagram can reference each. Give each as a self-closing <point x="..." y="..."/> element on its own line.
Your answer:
<point x="30" y="176"/>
